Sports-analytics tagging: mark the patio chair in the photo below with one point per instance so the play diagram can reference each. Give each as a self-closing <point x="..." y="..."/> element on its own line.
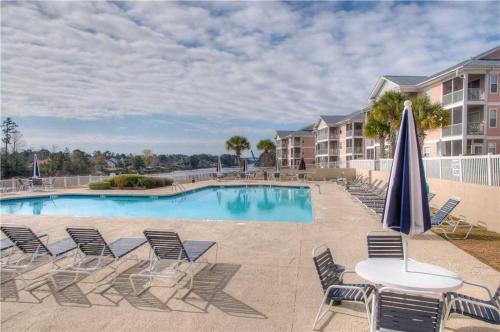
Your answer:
<point x="94" y="254"/>
<point x="440" y="218"/>
<point x="408" y="311"/>
<point x="32" y="251"/>
<point x="430" y="196"/>
<point x="485" y="310"/>
<point x="23" y="185"/>
<point x="167" y="255"/>
<point x="382" y="244"/>
<point x="331" y="279"/>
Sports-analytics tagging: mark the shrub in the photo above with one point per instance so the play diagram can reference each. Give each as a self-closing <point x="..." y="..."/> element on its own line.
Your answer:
<point x="131" y="181"/>
<point x="126" y="180"/>
<point x="100" y="185"/>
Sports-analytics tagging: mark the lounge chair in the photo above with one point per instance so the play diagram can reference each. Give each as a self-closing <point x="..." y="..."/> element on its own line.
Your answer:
<point x="95" y="254"/>
<point x="408" y="311"/>
<point x="32" y="251"/>
<point x="377" y="194"/>
<point x="6" y="243"/>
<point x="366" y="188"/>
<point x="331" y="278"/>
<point x="382" y="244"/>
<point x="440" y="218"/>
<point x="171" y="258"/>
<point x="485" y="310"/>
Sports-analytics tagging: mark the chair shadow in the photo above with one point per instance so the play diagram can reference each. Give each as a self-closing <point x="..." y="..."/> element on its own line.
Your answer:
<point x="209" y="285"/>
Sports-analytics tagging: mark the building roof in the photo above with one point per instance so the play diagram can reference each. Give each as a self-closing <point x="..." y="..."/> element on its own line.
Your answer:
<point x="308" y="127"/>
<point x="474" y="62"/>
<point x="338" y="119"/>
<point x="405" y="80"/>
<point x="331" y="119"/>
<point x="289" y="133"/>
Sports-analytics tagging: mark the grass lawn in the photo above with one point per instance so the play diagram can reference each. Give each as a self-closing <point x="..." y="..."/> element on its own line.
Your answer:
<point x="481" y="243"/>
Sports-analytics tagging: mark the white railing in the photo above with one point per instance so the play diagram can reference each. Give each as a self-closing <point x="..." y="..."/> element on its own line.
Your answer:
<point x="483" y="169"/>
<point x="475" y="94"/>
<point x="452" y="130"/>
<point x="58" y="182"/>
<point x="453" y="97"/>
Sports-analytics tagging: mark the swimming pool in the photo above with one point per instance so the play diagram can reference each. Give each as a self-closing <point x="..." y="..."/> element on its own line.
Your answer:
<point x="248" y="203"/>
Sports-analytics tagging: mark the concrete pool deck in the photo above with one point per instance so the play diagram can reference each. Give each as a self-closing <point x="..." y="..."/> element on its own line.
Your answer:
<point x="265" y="279"/>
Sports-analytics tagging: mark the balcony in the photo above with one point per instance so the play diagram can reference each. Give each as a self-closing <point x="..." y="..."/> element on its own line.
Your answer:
<point x="453" y="97"/>
<point x="321" y="137"/>
<point x="475" y="128"/>
<point x="453" y="130"/>
<point x="357" y="132"/>
<point x="335" y="136"/>
<point x="356" y="149"/>
<point x="475" y="94"/>
<point x="322" y="151"/>
<point x="334" y="152"/>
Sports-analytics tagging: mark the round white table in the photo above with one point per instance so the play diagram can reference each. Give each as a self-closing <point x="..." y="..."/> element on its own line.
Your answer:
<point x="419" y="277"/>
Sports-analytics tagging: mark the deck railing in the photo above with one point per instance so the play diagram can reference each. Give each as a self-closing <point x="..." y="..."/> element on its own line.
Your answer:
<point x="483" y="169"/>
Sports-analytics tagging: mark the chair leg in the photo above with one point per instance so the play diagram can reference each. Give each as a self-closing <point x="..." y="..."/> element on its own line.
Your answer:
<point x="320" y="315"/>
<point x="216" y="255"/>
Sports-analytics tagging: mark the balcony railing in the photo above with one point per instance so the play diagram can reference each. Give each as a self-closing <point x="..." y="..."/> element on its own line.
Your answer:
<point x="453" y="130"/>
<point x="322" y="151"/>
<point x="475" y="94"/>
<point x="356" y="149"/>
<point x="335" y="136"/>
<point x="453" y="97"/>
<point x="475" y="128"/>
<point x="321" y="137"/>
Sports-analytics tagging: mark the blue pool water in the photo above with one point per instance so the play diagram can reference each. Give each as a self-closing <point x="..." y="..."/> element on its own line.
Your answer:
<point x="252" y="203"/>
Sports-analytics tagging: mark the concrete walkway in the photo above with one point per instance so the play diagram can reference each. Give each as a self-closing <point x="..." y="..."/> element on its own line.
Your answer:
<point x="265" y="279"/>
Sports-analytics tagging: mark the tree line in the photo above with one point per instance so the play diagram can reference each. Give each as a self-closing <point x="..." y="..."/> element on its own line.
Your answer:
<point x="17" y="161"/>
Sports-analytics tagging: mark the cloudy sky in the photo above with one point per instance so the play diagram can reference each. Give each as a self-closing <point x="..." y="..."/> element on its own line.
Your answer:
<point x="182" y="77"/>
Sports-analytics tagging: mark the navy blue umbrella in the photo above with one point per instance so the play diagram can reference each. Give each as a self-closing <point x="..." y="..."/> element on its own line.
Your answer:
<point x="245" y="166"/>
<point x="36" y="167"/>
<point x="406" y="206"/>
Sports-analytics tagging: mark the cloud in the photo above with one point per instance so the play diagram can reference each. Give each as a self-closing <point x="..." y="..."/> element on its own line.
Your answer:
<point x="220" y="61"/>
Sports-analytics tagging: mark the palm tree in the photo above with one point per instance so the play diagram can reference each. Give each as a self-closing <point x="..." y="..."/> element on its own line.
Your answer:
<point x="378" y="130"/>
<point x="237" y="144"/>
<point x="267" y="145"/>
<point x="388" y="110"/>
<point x="428" y="116"/>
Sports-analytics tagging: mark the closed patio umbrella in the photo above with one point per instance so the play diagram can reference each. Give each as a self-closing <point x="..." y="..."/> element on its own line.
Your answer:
<point x="218" y="168"/>
<point x="245" y="166"/>
<point x="36" y="167"/>
<point x="406" y="207"/>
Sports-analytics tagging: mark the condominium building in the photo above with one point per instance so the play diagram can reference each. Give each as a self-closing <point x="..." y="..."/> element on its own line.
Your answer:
<point x="469" y="92"/>
<point x="338" y="138"/>
<point x="292" y="146"/>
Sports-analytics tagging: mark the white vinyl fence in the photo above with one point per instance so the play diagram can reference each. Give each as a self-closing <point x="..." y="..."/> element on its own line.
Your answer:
<point x="483" y="169"/>
<point x="81" y="180"/>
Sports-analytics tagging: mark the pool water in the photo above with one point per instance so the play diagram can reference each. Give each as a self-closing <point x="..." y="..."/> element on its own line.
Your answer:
<point x="248" y="203"/>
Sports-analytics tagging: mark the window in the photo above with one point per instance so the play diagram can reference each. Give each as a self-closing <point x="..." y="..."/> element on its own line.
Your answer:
<point x="492" y="148"/>
<point x="493" y="83"/>
<point x="493" y="118"/>
<point x="427" y="151"/>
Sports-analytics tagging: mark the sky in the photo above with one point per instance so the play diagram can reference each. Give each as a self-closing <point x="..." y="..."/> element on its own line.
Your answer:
<point x="183" y="77"/>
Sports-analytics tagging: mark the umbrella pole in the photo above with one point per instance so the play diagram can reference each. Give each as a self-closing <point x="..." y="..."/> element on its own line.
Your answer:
<point x="405" y="252"/>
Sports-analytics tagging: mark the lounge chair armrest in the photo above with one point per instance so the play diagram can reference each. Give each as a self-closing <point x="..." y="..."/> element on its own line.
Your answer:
<point x="490" y="306"/>
<point x="480" y="286"/>
<point x="361" y="289"/>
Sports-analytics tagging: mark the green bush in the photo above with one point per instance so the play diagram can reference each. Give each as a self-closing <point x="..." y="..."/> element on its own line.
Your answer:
<point x="100" y="185"/>
<point x="131" y="181"/>
<point x="127" y="180"/>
